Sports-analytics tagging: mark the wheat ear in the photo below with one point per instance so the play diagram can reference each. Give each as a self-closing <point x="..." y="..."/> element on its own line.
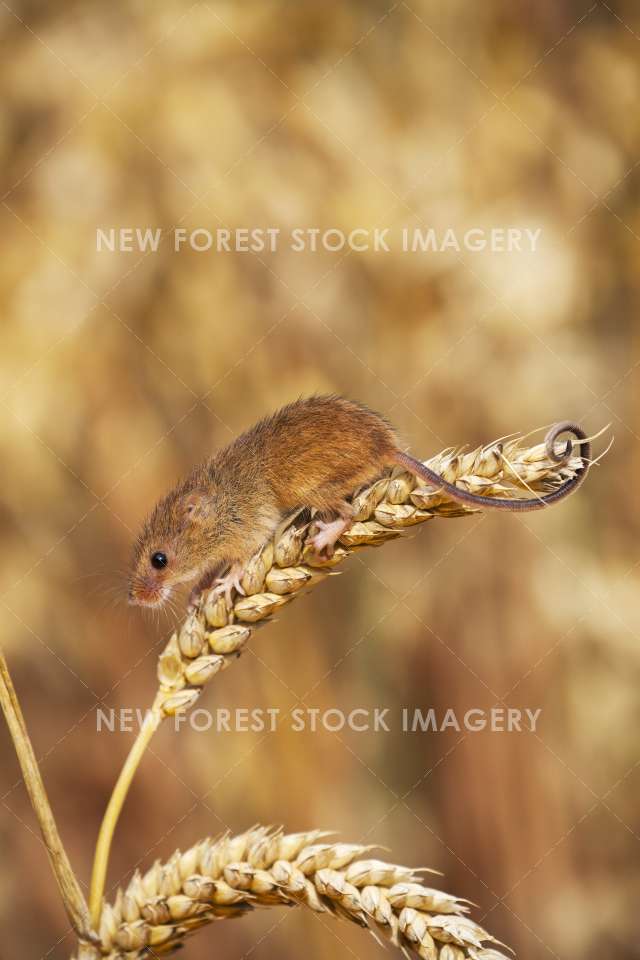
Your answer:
<point x="260" y="868"/>
<point x="214" y="633"/>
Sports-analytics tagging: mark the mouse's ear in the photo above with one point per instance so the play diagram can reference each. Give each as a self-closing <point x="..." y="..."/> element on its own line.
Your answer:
<point x="196" y="505"/>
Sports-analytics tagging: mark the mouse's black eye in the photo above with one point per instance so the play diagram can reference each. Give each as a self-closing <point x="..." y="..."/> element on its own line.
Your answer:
<point x="159" y="560"/>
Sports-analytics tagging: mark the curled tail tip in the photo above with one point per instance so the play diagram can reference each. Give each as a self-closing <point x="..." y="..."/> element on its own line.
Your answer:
<point x="539" y="501"/>
<point x="566" y="426"/>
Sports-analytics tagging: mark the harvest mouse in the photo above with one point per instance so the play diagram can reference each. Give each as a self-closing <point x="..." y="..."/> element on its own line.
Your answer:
<point x="313" y="453"/>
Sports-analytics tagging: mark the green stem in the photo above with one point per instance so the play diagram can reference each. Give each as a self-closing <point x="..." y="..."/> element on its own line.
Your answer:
<point x="114" y="807"/>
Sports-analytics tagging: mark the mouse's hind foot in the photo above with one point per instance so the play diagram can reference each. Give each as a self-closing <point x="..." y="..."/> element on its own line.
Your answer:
<point x="328" y="532"/>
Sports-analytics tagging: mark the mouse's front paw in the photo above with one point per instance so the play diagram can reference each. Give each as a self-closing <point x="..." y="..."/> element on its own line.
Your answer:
<point x="225" y="585"/>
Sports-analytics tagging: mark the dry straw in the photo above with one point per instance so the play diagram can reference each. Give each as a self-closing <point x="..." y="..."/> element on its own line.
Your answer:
<point x="229" y="876"/>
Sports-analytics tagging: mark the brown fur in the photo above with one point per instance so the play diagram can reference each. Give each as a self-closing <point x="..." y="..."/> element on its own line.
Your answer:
<point x="311" y="453"/>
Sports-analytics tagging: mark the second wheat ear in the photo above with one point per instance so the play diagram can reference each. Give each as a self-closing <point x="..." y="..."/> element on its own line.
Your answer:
<point x="216" y="631"/>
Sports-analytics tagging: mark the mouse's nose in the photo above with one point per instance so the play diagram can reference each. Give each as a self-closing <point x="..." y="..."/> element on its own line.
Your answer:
<point x="132" y="597"/>
<point x="146" y="592"/>
<point x="131" y="592"/>
<point x="138" y="593"/>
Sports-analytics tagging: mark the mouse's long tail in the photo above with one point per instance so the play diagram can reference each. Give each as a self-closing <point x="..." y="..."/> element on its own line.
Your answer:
<point x="496" y="503"/>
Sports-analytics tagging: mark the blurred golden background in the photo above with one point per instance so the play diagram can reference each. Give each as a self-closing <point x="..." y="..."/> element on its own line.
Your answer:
<point x="119" y="370"/>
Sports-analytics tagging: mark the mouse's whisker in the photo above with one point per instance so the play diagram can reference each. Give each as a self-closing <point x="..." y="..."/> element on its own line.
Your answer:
<point x="107" y="595"/>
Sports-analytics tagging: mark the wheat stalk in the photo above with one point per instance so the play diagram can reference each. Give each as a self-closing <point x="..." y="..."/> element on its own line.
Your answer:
<point x="214" y="633"/>
<point x="70" y="891"/>
<point x="262" y="867"/>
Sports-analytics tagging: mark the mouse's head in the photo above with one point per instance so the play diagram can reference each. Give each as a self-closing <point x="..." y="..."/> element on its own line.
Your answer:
<point x="175" y="546"/>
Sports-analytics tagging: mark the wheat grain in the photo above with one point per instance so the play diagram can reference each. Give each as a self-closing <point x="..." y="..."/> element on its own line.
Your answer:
<point x="262" y="867"/>
<point x="214" y="634"/>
